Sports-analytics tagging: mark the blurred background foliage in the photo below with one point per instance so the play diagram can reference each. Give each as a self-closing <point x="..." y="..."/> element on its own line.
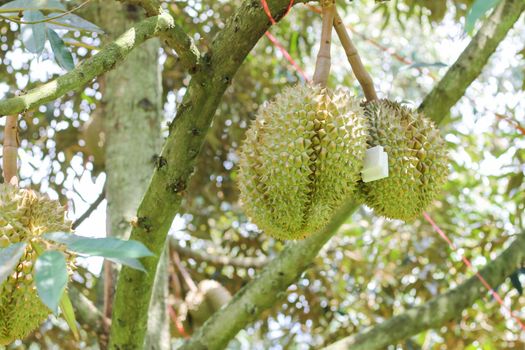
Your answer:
<point x="373" y="268"/>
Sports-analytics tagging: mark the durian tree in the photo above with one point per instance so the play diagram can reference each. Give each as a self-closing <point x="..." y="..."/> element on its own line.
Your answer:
<point x="384" y="281"/>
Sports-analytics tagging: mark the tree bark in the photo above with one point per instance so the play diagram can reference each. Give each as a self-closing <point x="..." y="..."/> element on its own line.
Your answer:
<point x="132" y="115"/>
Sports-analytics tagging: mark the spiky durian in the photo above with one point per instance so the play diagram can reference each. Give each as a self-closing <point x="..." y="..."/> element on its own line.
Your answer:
<point x="24" y="216"/>
<point x="301" y="158"/>
<point x="417" y="161"/>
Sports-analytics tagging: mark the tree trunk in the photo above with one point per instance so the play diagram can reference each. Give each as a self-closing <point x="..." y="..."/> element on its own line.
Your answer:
<point x="132" y="102"/>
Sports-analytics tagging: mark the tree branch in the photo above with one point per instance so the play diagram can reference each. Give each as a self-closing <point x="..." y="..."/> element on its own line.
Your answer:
<point x="163" y="197"/>
<point x="92" y="207"/>
<point x="267" y="287"/>
<point x="220" y="260"/>
<point x="106" y="60"/>
<point x="439" y="310"/>
<point x="470" y="63"/>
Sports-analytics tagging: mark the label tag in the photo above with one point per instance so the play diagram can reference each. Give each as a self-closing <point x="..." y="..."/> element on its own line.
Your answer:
<point x="375" y="165"/>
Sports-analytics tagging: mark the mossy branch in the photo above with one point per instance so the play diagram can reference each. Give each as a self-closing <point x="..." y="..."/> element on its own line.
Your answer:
<point x="104" y="61"/>
<point x="439" y="310"/>
<point x="470" y="63"/>
<point x="267" y="288"/>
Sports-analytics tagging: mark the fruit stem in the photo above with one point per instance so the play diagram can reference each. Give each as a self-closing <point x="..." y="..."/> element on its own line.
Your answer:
<point x="10" y="150"/>
<point x="365" y="80"/>
<point x="322" y="65"/>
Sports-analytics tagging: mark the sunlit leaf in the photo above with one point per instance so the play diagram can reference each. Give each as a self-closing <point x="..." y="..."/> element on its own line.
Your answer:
<point x="131" y="262"/>
<point x="34" y="35"/>
<point x="106" y="247"/>
<point x="69" y="314"/>
<point x="9" y="258"/>
<point x="72" y="22"/>
<point x="25" y="5"/>
<point x="62" y="55"/>
<point x="478" y="9"/>
<point x="51" y="278"/>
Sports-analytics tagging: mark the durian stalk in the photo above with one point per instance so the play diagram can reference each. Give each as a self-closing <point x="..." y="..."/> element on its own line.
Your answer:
<point x="322" y="65"/>
<point x="365" y="80"/>
<point x="10" y="150"/>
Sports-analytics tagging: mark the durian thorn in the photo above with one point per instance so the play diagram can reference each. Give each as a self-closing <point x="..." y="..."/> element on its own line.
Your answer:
<point x="10" y="150"/>
<point x="322" y="65"/>
<point x="365" y="80"/>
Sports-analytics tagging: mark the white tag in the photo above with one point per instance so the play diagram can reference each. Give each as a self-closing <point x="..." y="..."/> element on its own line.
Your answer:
<point x="375" y="165"/>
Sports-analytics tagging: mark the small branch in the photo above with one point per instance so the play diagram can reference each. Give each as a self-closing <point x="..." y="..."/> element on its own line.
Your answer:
<point x="89" y="210"/>
<point x="185" y="274"/>
<point x="322" y="65"/>
<point x="104" y="61"/>
<point x="221" y="260"/>
<point x="10" y="150"/>
<point x="470" y="63"/>
<point x="365" y="80"/>
<point x="439" y="310"/>
<point x="47" y="19"/>
<point x="178" y="40"/>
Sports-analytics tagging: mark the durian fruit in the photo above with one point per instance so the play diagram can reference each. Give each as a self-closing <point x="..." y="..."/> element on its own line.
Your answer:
<point x="417" y="161"/>
<point x="209" y="297"/>
<point x="24" y="216"/>
<point x="301" y="158"/>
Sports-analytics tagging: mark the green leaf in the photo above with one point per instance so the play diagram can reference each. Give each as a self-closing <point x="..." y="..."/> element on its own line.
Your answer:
<point x="72" y="22"/>
<point x="25" y="5"/>
<point x="51" y="278"/>
<point x="62" y="55"/>
<point x="478" y="9"/>
<point x="106" y="247"/>
<point x="69" y="314"/>
<point x="34" y="35"/>
<point x="9" y="258"/>
<point x="131" y="262"/>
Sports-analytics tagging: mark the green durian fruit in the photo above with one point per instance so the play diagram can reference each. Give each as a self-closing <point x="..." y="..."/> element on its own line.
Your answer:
<point x="301" y="158"/>
<point x="417" y="161"/>
<point x="24" y="216"/>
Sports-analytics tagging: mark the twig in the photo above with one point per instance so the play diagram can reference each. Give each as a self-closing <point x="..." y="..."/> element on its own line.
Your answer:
<point x="90" y="210"/>
<point x="185" y="274"/>
<point x="355" y="61"/>
<point x="10" y="150"/>
<point x="245" y="262"/>
<point x="7" y="18"/>
<point x="322" y="65"/>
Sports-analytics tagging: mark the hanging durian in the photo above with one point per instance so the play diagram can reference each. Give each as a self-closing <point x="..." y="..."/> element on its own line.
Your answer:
<point x="303" y="153"/>
<point x="301" y="158"/>
<point x="24" y="216"/>
<point x="417" y="161"/>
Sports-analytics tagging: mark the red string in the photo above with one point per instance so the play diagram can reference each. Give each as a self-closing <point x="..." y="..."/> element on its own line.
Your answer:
<point x="478" y="275"/>
<point x="269" y="13"/>
<point x="276" y="42"/>
<point x="285" y="53"/>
